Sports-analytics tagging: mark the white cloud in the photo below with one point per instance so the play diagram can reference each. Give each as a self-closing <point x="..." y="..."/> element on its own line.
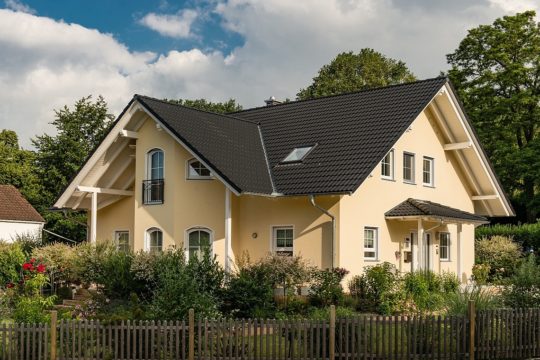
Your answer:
<point x="175" y="26"/>
<point x="513" y="6"/>
<point x="46" y="64"/>
<point x="17" y="5"/>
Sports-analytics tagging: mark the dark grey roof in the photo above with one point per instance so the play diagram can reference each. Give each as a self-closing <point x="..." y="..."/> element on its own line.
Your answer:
<point x="350" y="133"/>
<point x="414" y="207"/>
<point x="231" y="146"/>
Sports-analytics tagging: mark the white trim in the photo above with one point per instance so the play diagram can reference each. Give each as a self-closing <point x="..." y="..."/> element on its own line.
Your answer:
<point x="431" y="172"/>
<point x="129" y="134"/>
<point x="457" y="146"/>
<point x="449" y="247"/>
<point x="148" y="162"/>
<point x="413" y="169"/>
<point x="375" y="248"/>
<point x="392" y="167"/>
<point x="458" y="243"/>
<point x="147" y="238"/>
<point x="97" y="190"/>
<point x="228" y="230"/>
<point x="93" y="218"/>
<point x="196" y="177"/>
<point x="115" y="240"/>
<point x="22" y="221"/>
<point x="484" y="197"/>
<point x="193" y="229"/>
<point x="273" y="248"/>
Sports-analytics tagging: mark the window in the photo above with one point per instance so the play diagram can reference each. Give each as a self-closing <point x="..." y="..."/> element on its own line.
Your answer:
<point x="298" y="154"/>
<point x="154" y="239"/>
<point x="121" y="240"/>
<point x="196" y="170"/>
<point x="408" y="167"/>
<point x="283" y="240"/>
<point x="154" y="185"/>
<point x="199" y="241"/>
<point x="444" y="246"/>
<point x="427" y="171"/>
<point x="387" y="166"/>
<point x="370" y="243"/>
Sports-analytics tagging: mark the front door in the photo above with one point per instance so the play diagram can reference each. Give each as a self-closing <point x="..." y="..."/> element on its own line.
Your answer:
<point x="421" y="253"/>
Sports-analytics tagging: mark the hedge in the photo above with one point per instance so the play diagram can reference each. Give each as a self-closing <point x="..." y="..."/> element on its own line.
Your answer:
<point x="527" y="235"/>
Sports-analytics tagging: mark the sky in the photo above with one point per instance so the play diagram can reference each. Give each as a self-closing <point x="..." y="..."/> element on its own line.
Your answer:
<point x="54" y="52"/>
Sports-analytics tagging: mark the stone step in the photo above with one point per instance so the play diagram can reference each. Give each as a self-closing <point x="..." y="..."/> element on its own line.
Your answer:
<point x="68" y="302"/>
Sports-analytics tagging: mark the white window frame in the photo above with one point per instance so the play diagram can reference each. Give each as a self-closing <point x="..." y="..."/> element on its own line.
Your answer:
<point x="391" y="176"/>
<point x="431" y="161"/>
<point x="198" y="228"/>
<point x="273" y="238"/>
<point x="116" y="238"/>
<point x="147" y="238"/>
<point x="448" y="246"/>
<point x="413" y="168"/>
<point x="149" y="154"/>
<point x="190" y="176"/>
<point x="375" y="248"/>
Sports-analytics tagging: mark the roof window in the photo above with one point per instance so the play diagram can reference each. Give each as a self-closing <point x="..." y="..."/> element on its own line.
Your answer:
<point x="297" y="155"/>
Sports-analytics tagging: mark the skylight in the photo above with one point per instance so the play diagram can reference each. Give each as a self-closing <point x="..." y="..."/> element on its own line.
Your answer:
<point x="298" y="154"/>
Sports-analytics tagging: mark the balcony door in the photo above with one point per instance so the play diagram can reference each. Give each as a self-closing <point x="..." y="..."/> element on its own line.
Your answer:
<point x="153" y="185"/>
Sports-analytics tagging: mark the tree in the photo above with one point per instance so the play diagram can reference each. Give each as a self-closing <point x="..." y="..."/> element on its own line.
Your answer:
<point x="352" y="72"/>
<point x="59" y="157"/>
<point x="203" y="104"/>
<point x="496" y="71"/>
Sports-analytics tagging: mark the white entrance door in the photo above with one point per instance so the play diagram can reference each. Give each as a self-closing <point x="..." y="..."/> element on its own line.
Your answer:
<point x="421" y="253"/>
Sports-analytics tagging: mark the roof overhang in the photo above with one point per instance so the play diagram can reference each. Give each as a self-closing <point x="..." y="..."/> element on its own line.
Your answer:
<point x="461" y="139"/>
<point x="440" y="219"/>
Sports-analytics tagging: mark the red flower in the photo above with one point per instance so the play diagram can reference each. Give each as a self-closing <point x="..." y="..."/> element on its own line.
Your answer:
<point x="40" y="268"/>
<point x="28" y="266"/>
<point x="10" y="285"/>
<point x="32" y="260"/>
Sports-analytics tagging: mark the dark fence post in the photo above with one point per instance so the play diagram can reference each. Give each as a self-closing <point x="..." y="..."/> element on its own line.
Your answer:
<point x="191" y="343"/>
<point x="54" y="321"/>
<point x="332" y="334"/>
<point x="472" y="328"/>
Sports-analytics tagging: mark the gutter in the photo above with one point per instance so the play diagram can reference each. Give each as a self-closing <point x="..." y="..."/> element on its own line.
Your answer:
<point x="326" y="212"/>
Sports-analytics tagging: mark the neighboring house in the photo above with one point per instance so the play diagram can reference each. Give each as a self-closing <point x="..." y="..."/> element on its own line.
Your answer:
<point x="391" y="174"/>
<point x="17" y="216"/>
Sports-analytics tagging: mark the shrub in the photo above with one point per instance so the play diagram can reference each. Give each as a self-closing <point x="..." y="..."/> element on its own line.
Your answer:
<point x="60" y="260"/>
<point x="425" y="291"/>
<point x="28" y="242"/>
<point x="457" y="303"/>
<point x="500" y="253"/>
<point x="288" y="272"/>
<point x="325" y="287"/>
<point x="523" y="290"/>
<point x="377" y="289"/>
<point x="526" y="235"/>
<point x="11" y="258"/>
<point x="480" y="273"/>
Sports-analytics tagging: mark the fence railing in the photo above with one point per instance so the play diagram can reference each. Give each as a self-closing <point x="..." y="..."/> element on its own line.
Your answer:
<point x="498" y="334"/>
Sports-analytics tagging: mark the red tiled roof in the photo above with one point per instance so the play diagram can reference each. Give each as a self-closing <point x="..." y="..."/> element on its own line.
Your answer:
<point x="13" y="206"/>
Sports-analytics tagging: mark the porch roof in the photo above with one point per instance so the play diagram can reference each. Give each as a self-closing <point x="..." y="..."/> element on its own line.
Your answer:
<point x="414" y="209"/>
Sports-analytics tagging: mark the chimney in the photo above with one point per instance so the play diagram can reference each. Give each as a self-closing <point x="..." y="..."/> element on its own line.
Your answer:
<point x="272" y="101"/>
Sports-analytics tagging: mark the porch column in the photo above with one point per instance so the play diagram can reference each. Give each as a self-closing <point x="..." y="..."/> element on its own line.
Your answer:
<point x="458" y="243"/>
<point x="228" y="230"/>
<point x="419" y="251"/>
<point x="93" y="218"/>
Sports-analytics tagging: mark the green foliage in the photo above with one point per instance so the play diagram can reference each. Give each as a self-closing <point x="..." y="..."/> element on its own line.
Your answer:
<point x="480" y="273"/>
<point x="32" y="309"/>
<point x="352" y="72"/>
<point x="79" y="130"/>
<point x="324" y="313"/>
<point x="287" y="272"/>
<point x="426" y="291"/>
<point x="496" y="71"/>
<point x="377" y="290"/>
<point x="60" y="260"/>
<point x="500" y="253"/>
<point x="325" y="286"/>
<point x="11" y="258"/>
<point x="526" y="235"/>
<point x="457" y="302"/>
<point x="523" y="290"/>
<point x="203" y="104"/>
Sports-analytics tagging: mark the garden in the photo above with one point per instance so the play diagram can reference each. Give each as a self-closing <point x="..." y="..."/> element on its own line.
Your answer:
<point x="164" y="286"/>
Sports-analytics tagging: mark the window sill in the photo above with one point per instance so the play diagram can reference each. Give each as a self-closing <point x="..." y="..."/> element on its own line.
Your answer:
<point x="154" y="203"/>
<point x="371" y="260"/>
<point x="429" y="186"/>
<point x="388" y="179"/>
<point x="445" y="261"/>
<point x="409" y="182"/>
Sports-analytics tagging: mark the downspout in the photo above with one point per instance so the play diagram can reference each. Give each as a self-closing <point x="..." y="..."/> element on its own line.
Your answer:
<point x="312" y="200"/>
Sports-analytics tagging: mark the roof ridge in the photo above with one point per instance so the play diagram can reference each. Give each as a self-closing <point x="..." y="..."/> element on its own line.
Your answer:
<point x="265" y="153"/>
<point x="337" y="95"/>
<point x="227" y="115"/>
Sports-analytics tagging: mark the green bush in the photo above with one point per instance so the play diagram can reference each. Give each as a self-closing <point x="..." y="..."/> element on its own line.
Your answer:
<point x="523" y="290"/>
<point x="480" y="273"/>
<point x="377" y="289"/>
<point x="325" y="286"/>
<point x="426" y="291"/>
<point x="526" y="235"/>
<point x="11" y="258"/>
<point x="60" y="260"/>
<point x="457" y="303"/>
<point x="500" y="253"/>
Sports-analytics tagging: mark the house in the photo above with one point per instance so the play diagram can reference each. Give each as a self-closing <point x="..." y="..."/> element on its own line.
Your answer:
<point x="17" y="216"/>
<point x="390" y="174"/>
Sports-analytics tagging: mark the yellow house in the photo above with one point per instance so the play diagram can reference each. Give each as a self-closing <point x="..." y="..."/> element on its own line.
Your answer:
<point x="391" y="174"/>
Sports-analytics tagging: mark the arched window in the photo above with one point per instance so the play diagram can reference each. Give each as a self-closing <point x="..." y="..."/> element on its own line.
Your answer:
<point x="196" y="170"/>
<point x="154" y="240"/>
<point x="199" y="240"/>
<point x="155" y="164"/>
<point x="153" y="186"/>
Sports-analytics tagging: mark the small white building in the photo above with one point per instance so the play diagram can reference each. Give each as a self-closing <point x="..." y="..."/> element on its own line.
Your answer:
<point x="17" y="216"/>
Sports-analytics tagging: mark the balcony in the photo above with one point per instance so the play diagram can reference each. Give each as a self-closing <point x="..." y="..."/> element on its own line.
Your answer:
<point x="152" y="191"/>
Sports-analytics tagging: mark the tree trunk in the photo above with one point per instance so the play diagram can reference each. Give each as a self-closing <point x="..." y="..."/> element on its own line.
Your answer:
<point x="531" y="211"/>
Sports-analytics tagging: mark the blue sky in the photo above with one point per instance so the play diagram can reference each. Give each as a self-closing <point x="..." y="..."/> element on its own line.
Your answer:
<point x="54" y="52"/>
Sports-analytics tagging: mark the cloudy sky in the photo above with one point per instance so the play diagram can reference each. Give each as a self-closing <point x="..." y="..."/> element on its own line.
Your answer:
<point x="55" y="52"/>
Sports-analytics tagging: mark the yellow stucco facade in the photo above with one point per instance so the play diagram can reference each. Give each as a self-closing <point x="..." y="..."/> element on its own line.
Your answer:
<point x="190" y="204"/>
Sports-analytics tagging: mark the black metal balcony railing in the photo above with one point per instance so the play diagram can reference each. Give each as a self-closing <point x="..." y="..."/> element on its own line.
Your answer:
<point x="153" y="191"/>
